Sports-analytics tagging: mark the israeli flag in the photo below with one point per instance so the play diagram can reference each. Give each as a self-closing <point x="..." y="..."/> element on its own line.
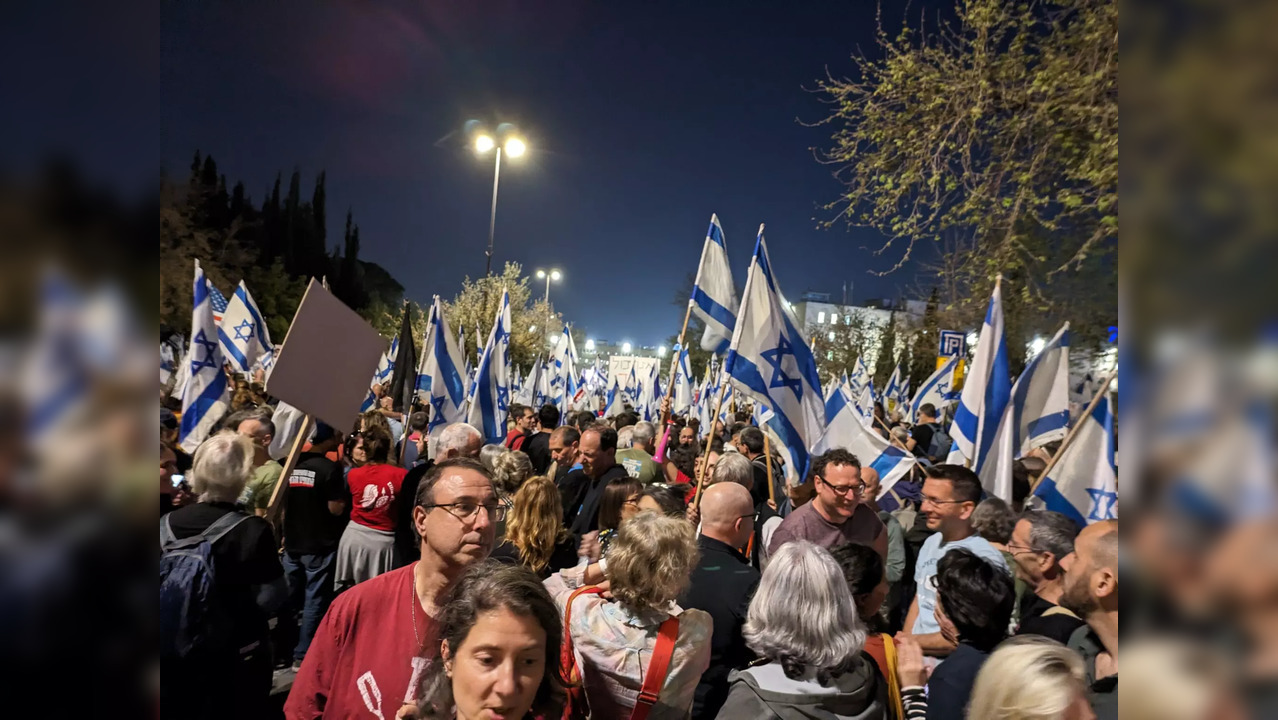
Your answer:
<point x="714" y="297"/>
<point x="937" y="390"/>
<point x="490" y="395"/>
<point x="682" y="399"/>
<point x="541" y="395"/>
<point x="1036" y="415"/>
<point x="613" y="403"/>
<point x="205" y="397"/>
<point x="55" y="379"/>
<point x="893" y="388"/>
<point x="846" y="430"/>
<point x="903" y="396"/>
<point x="646" y="395"/>
<point x="709" y="396"/>
<point x="529" y="386"/>
<point x="386" y="366"/>
<point x="864" y="406"/>
<point x="860" y="377"/>
<point x="242" y="332"/>
<point x="1084" y="483"/>
<point x="563" y="381"/>
<point x="986" y="391"/>
<point x="772" y="364"/>
<point x="440" y="382"/>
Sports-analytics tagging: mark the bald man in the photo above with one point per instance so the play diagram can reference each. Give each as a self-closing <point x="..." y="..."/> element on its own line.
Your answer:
<point x="1091" y="592"/>
<point x="722" y="585"/>
<point x="894" y="564"/>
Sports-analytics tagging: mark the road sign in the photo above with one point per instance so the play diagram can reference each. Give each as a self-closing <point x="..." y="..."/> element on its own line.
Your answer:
<point x="953" y="344"/>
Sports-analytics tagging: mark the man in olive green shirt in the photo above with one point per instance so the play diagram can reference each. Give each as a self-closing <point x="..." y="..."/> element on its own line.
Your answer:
<point x="637" y="459"/>
<point x="266" y="472"/>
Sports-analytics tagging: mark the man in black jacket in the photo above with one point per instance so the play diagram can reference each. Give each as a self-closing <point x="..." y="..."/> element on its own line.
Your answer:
<point x="722" y="585"/>
<point x="537" y="447"/>
<point x="582" y="489"/>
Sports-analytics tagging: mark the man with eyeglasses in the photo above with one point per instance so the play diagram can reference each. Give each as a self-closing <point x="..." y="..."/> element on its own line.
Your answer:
<point x="370" y="649"/>
<point x="836" y="514"/>
<point x="1040" y="541"/>
<point x="950" y="494"/>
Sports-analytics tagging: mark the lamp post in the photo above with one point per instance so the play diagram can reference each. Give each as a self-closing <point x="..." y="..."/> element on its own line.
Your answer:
<point x="552" y="275"/>
<point x="514" y="147"/>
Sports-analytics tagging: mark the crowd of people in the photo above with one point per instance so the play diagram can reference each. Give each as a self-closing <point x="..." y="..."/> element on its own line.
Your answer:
<point x="611" y="568"/>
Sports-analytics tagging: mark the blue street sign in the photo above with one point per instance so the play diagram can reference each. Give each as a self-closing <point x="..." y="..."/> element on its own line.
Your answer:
<point x="953" y="344"/>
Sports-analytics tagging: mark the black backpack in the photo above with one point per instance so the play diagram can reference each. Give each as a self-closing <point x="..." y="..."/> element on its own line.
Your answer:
<point x="193" y="619"/>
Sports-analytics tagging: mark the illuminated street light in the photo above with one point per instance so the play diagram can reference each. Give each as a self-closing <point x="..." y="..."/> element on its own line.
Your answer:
<point x="661" y="351"/>
<point x="625" y="348"/>
<point x="515" y="147"/>
<point x="484" y="143"/>
<point x="590" y="345"/>
<point x="1036" y="345"/>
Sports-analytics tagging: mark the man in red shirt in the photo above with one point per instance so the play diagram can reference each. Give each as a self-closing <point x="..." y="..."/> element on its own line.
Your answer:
<point x="369" y="652"/>
<point x="522" y="418"/>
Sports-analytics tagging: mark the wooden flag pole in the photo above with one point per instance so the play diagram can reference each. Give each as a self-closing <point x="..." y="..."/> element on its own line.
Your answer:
<point x="705" y="457"/>
<point x="275" y="509"/>
<point x="767" y="457"/>
<point x="674" y="368"/>
<point x="1100" y="393"/>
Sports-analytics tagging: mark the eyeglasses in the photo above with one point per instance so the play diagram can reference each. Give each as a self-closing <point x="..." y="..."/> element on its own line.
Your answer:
<point x="934" y="501"/>
<point x="845" y="489"/>
<point x="1014" y="549"/>
<point x="467" y="510"/>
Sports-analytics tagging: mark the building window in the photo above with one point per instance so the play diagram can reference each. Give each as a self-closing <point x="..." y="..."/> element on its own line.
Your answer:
<point x="831" y="335"/>
<point x="820" y="317"/>
<point x="847" y="319"/>
<point x="834" y="318"/>
<point x="829" y="354"/>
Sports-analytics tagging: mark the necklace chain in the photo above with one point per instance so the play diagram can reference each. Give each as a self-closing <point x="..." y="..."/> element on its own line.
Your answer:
<point x="412" y="610"/>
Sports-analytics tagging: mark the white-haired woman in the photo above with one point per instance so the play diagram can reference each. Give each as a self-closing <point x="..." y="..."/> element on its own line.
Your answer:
<point x="649" y="564"/>
<point x="803" y="623"/>
<point x="249" y="583"/>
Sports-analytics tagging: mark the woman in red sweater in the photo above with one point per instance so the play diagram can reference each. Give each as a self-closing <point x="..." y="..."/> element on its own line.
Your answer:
<point x="367" y="547"/>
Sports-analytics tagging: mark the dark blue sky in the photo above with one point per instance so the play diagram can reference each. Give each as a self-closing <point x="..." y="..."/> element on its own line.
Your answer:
<point x="641" y="118"/>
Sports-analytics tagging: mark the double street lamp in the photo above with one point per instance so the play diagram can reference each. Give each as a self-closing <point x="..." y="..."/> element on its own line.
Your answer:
<point x="514" y="147"/>
<point x="552" y="275"/>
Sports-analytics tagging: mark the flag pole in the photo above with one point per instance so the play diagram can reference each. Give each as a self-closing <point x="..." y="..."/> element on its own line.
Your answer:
<point x="705" y="457"/>
<point x="674" y="368"/>
<point x="767" y="459"/>
<point x="1100" y="393"/>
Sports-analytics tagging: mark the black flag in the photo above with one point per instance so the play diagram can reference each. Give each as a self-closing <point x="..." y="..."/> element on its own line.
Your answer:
<point x="404" y="380"/>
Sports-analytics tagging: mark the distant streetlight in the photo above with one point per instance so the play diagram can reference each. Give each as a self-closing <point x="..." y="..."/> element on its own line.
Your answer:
<point x="1036" y="345"/>
<point x="548" y="276"/>
<point x="514" y="147"/>
<point x="625" y="348"/>
<point x="661" y="351"/>
<point x="590" y="345"/>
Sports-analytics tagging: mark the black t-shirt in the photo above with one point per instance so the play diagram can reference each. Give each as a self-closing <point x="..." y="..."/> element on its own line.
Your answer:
<point x="564" y="555"/>
<point x="309" y="528"/>
<point x="1057" y="626"/>
<point x="406" y="541"/>
<point x="722" y="584"/>
<point x="922" y="434"/>
<point x="243" y="559"/>
<point x="537" y="448"/>
<point x="581" y="496"/>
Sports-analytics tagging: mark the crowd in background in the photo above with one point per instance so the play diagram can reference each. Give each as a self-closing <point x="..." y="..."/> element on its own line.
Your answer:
<point x="611" y="568"/>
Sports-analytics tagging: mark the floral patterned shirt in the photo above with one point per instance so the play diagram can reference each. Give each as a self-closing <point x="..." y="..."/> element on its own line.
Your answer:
<point x="613" y="647"/>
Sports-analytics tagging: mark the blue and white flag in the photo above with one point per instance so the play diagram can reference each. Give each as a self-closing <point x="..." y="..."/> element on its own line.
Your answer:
<point x="613" y="401"/>
<point x="846" y="430"/>
<point x="986" y="391"/>
<point x="903" y="396"/>
<point x="772" y="364"/>
<point x="55" y="382"/>
<point x="528" y="388"/>
<point x="863" y="406"/>
<point x="563" y="381"/>
<point x="386" y="366"/>
<point x="1037" y="414"/>
<point x="1084" y="483"/>
<point x="541" y="394"/>
<point x="646" y="402"/>
<point x="490" y="396"/>
<point x="205" y="397"/>
<point x="892" y="390"/>
<point x="706" y="408"/>
<point x="242" y="332"/>
<point x="860" y="377"/>
<point x="937" y="390"/>
<point x="714" y="296"/>
<point x="681" y="401"/>
<point x="440" y="382"/>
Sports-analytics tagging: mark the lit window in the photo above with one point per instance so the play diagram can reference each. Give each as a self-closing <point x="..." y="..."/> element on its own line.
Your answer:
<point x="831" y="335"/>
<point x="820" y="317"/>
<point x="829" y="355"/>
<point x="847" y="319"/>
<point x="834" y="318"/>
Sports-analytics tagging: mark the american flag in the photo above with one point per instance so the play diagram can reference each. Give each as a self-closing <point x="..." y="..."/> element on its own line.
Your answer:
<point x="218" y="301"/>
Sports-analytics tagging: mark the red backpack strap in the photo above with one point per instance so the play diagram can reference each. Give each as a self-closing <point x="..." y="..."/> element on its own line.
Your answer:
<point x="657" y="667"/>
<point x="575" y="705"/>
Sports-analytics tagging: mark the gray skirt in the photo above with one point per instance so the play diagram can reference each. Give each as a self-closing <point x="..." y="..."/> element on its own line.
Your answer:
<point x="364" y="553"/>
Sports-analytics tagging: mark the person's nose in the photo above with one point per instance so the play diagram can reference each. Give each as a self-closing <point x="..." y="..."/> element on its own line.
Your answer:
<point x="506" y="684"/>
<point x="483" y="518"/>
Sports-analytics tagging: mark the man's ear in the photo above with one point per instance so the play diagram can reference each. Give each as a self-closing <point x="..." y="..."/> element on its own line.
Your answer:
<point x="419" y="520"/>
<point x="1104" y="582"/>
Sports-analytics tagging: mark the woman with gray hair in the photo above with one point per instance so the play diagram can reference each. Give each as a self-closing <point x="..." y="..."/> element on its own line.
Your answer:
<point x="249" y="586"/>
<point x="804" y="624"/>
<point x="648" y="566"/>
<point x="489" y="453"/>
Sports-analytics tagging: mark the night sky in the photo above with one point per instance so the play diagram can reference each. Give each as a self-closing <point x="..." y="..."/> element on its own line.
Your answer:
<point x="641" y="119"/>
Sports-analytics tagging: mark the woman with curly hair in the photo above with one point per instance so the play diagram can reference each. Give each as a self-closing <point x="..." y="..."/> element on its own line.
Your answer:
<point x="499" y="639"/>
<point x="535" y="534"/>
<point x="648" y="566"/>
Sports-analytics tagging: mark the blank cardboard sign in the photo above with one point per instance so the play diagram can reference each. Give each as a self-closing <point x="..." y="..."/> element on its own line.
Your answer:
<point x="328" y="357"/>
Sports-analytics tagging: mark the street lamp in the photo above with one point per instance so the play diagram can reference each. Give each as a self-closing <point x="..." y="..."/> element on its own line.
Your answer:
<point x="625" y="348"/>
<point x="661" y="351"/>
<point x="590" y="345"/>
<point x="552" y="275"/>
<point x="514" y="147"/>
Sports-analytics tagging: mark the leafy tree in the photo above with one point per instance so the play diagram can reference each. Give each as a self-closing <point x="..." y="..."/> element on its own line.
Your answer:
<point x="885" y="362"/>
<point x="837" y="347"/>
<point x="924" y="343"/>
<point x="476" y="306"/>
<point x="999" y="129"/>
